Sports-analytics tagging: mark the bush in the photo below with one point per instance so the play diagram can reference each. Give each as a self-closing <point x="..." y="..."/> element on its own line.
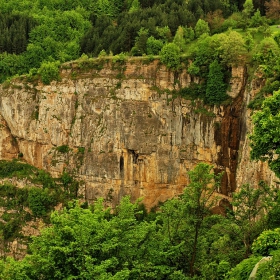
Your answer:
<point x="243" y="270"/>
<point x="215" y="270"/>
<point x="273" y="217"/>
<point x="70" y="185"/>
<point x="120" y="58"/>
<point x="15" y="169"/>
<point x="216" y="88"/>
<point x="270" y="269"/>
<point x="49" y="71"/>
<point x="267" y="52"/>
<point x="194" y="91"/>
<point x="11" y="228"/>
<point x="170" y="56"/>
<point x="154" y="46"/>
<point x="63" y="149"/>
<point x="40" y="201"/>
<point x="268" y="241"/>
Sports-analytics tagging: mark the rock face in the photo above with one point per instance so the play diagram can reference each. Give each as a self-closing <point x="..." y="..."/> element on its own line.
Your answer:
<point x="121" y="132"/>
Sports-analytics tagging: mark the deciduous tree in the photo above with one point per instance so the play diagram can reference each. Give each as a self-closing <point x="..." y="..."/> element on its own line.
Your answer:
<point x="170" y="56"/>
<point x="272" y="9"/>
<point x="201" y="27"/>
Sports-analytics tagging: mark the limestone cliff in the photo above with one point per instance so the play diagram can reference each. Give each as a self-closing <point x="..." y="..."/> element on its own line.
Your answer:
<point x="122" y="133"/>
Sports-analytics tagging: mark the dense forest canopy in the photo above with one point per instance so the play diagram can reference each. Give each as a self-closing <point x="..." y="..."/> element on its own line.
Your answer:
<point x="36" y="32"/>
<point x="181" y="239"/>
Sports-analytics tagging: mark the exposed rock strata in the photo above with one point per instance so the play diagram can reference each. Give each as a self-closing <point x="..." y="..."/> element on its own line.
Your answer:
<point x="125" y="134"/>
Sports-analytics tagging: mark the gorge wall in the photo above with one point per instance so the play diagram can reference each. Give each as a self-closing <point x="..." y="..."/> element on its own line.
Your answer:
<point x="120" y="132"/>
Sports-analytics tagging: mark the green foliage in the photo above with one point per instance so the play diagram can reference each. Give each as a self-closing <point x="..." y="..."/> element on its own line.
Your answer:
<point x="268" y="241"/>
<point x="215" y="270"/>
<point x="266" y="55"/>
<point x="154" y="46"/>
<point x="216" y="88"/>
<point x="201" y="28"/>
<point x="104" y="244"/>
<point x="40" y="31"/>
<point x="170" y="56"/>
<point x="270" y="86"/>
<point x="15" y="169"/>
<point x="184" y="240"/>
<point x="249" y="212"/>
<point x="40" y="195"/>
<point x="269" y="269"/>
<point x="257" y="19"/>
<point x="164" y="33"/>
<point x="273" y="217"/>
<point x="64" y="149"/>
<point x="135" y="6"/>
<point x="193" y="69"/>
<point x="11" y="229"/>
<point x="81" y="150"/>
<point x="11" y="269"/>
<point x="228" y="49"/>
<point x="194" y="91"/>
<point x="49" y="71"/>
<point x="179" y="39"/>
<point x="231" y="48"/>
<point x="119" y="58"/>
<point x="243" y="270"/>
<point x="265" y="139"/>
<point x="248" y="8"/>
<point x="186" y="235"/>
<point x="15" y="29"/>
<point x="189" y="34"/>
<point x="13" y="197"/>
<point x="40" y="201"/>
<point x="140" y="47"/>
<point x="91" y="245"/>
<point x="70" y="185"/>
<point x="11" y="65"/>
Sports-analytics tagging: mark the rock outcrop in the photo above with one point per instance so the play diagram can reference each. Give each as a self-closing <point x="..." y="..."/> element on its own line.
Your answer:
<point x="121" y="132"/>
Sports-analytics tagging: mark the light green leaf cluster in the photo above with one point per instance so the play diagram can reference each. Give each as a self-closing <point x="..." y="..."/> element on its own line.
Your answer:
<point x="265" y="139"/>
<point x="170" y="56"/>
<point x="268" y="241"/>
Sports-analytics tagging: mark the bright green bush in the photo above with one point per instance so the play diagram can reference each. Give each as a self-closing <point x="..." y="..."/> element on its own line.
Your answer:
<point x="170" y="56"/>
<point x="154" y="46"/>
<point x="267" y="242"/>
<point x="243" y="270"/>
<point x="49" y="71"/>
<point x="270" y="269"/>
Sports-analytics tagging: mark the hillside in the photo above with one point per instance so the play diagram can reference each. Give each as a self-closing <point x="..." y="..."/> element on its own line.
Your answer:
<point x="150" y="127"/>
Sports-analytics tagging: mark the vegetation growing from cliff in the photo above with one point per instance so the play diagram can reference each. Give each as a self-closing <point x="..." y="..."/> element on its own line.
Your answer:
<point x="265" y="140"/>
<point x="37" y="196"/>
<point x="182" y="240"/>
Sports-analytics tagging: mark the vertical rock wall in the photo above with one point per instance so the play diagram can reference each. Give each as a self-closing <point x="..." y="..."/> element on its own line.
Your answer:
<point x="124" y="132"/>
